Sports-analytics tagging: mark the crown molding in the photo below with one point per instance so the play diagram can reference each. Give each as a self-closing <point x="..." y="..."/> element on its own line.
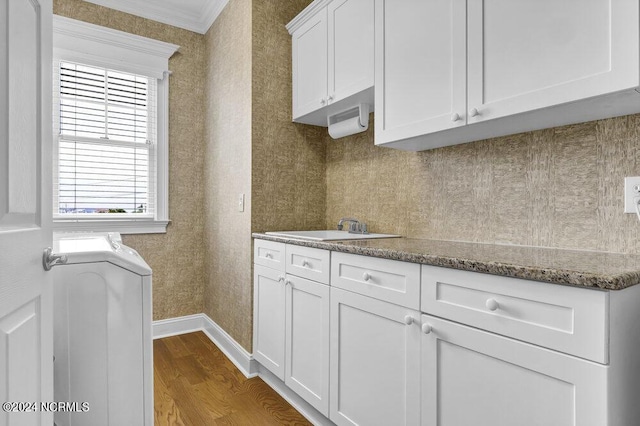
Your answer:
<point x="84" y="30"/>
<point x="306" y="13"/>
<point x="211" y="11"/>
<point x="196" y="16"/>
<point x="100" y="46"/>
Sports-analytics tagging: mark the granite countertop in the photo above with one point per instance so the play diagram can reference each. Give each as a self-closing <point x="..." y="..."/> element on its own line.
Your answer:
<point x="610" y="271"/>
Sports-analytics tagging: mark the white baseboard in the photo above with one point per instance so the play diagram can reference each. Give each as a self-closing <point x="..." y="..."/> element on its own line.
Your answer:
<point x="201" y="322"/>
<point x="178" y="325"/>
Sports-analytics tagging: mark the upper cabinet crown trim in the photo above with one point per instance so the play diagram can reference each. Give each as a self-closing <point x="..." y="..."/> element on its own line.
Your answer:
<point x="192" y="15"/>
<point x="307" y="12"/>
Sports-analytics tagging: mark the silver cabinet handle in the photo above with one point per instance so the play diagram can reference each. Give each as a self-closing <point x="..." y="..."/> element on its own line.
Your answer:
<point x="49" y="260"/>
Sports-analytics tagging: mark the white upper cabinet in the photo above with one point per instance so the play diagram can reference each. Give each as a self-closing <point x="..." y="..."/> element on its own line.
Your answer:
<point x="351" y="37"/>
<point x="455" y="71"/>
<point x="310" y="65"/>
<point x="332" y="51"/>
<point x="421" y="67"/>
<point x="533" y="54"/>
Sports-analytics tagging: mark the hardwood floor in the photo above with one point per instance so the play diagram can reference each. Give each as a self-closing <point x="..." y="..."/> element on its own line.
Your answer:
<point x="195" y="384"/>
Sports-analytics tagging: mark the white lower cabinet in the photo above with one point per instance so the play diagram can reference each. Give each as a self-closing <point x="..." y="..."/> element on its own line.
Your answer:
<point x="375" y="360"/>
<point x="269" y="318"/>
<point x="472" y="377"/>
<point x="484" y="351"/>
<point x="307" y="341"/>
<point x="291" y="333"/>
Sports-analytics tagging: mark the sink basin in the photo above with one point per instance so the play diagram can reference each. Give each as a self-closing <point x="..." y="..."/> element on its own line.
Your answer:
<point x="329" y="235"/>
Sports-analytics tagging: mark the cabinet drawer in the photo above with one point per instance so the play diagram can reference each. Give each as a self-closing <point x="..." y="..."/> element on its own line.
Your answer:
<point x="390" y="280"/>
<point x="307" y="262"/>
<point x="567" y="319"/>
<point x="269" y="254"/>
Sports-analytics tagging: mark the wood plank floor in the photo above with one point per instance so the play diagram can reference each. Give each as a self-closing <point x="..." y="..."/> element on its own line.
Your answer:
<point x="196" y="385"/>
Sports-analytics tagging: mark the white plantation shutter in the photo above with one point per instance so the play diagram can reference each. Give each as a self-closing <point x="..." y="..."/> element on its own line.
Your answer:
<point x="106" y="156"/>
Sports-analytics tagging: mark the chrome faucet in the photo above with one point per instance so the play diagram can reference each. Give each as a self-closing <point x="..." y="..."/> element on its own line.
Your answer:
<point x="355" y="226"/>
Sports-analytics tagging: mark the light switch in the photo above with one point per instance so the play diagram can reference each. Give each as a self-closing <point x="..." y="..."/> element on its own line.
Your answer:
<point x="241" y="203"/>
<point x="631" y="191"/>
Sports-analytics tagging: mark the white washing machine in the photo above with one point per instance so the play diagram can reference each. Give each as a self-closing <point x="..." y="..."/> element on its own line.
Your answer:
<point x="102" y="332"/>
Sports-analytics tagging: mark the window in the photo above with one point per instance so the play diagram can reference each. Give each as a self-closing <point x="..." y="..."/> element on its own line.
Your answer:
<point x="110" y="128"/>
<point x="106" y="142"/>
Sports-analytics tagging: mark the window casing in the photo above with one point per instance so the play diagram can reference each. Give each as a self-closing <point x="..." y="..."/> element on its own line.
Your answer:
<point x="110" y="120"/>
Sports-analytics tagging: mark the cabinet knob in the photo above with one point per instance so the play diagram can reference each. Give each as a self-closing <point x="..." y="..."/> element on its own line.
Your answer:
<point x="366" y="276"/>
<point x="474" y="112"/>
<point x="492" y="304"/>
<point x="455" y="117"/>
<point x="280" y="278"/>
<point x="408" y="320"/>
<point x="288" y="282"/>
<point x="267" y="255"/>
<point x="330" y="98"/>
<point x="323" y="101"/>
<point x="426" y="328"/>
<point x="305" y="264"/>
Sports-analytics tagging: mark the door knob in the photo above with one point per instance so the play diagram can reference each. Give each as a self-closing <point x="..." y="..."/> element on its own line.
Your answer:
<point x="49" y="260"/>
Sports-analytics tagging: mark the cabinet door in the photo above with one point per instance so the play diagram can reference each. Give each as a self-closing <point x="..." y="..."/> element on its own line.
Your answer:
<point x="307" y="341"/>
<point x="375" y="362"/>
<point x="351" y="40"/>
<point x="471" y="377"/>
<point x="420" y="69"/>
<point x="309" y="68"/>
<point x="269" y="318"/>
<point x="531" y="54"/>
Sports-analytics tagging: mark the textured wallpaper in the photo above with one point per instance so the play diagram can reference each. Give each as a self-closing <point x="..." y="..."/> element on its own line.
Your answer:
<point x="228" y="294"/>
<point x="177" y="257"/>
<point x="255" y="149"/>
<point x="560" y="187"/>
<point x="288" y="185"/>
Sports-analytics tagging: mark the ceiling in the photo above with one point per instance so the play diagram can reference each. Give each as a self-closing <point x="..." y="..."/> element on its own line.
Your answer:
<point x="193" y="15"/>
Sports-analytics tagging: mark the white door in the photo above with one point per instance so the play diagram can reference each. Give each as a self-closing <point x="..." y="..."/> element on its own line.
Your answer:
<point x="351" y="39"/>
<point x="268" y="318"/>
<point x="531" y="54"/>
<point x="471" y="377"/>
<point x="309" y="68"/>
<point x="375" y="362"/>
<point x="307" y="341"/>
<point x="420" y="67"/>
<point x="26" y="333"/>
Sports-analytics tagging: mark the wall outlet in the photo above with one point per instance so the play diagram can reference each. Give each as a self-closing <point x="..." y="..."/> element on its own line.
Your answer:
<point x="241" y="203"/>
<point x="631" y="191"/>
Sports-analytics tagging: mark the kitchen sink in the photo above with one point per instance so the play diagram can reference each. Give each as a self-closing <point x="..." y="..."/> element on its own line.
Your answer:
<point x="328" y="235"/>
